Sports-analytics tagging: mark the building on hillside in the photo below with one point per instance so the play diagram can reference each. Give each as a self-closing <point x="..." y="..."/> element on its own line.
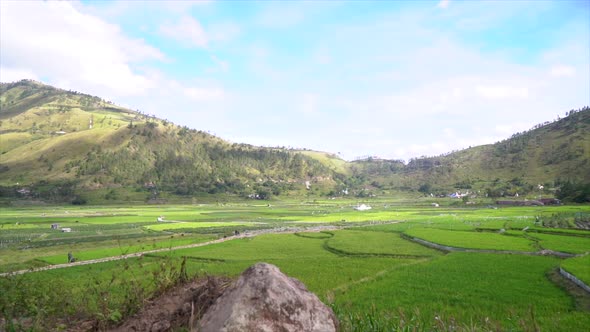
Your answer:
<point x="458" y="194"/>
<point x="66" y="230"/>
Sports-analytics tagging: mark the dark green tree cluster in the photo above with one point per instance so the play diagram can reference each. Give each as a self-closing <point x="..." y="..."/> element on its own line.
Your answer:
<point x="570" y="191"/>
<point x="187" y="162"/>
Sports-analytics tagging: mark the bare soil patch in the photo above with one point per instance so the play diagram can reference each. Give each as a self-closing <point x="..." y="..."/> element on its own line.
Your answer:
<point x="177" y="308"/>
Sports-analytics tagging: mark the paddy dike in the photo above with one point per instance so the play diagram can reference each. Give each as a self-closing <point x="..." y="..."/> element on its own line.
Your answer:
<point x="544" y="252"/>
<point x="142" y="253"/>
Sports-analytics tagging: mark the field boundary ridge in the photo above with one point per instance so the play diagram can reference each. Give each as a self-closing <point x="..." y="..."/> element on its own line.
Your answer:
<point x="447" y="249"/>
<point x="574" y="279"/>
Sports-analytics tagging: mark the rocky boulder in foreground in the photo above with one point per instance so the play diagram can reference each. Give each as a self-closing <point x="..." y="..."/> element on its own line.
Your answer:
<point x="265" y="299"/>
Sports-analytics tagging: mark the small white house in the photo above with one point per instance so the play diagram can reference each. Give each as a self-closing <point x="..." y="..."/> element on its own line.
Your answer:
<point x="363" y="207"/>
<point x="160" y="219"/>
<point x="435" y="204"/>
<point x="66" y="230"/>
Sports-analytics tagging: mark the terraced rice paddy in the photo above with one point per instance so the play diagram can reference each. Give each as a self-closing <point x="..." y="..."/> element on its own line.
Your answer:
<point x="570" y="244"/>
<point x="472" y="240"/>
<point x="364" y="265"/>
<point x="578" y="266"/>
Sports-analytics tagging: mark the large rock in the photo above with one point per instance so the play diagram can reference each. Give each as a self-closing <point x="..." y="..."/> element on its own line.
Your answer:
<point x="264" y="299"/>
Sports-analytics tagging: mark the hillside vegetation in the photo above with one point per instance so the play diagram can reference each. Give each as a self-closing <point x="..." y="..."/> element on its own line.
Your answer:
<point x="50" y="135"/>
<point x="57" y="144"/>
<point x="549" y="155"/>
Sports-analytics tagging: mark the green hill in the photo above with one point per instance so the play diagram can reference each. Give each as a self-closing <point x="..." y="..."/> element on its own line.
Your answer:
<point x="52" y="136"/>
<point x="59" y="145"/>
<point x="547" y="155"/>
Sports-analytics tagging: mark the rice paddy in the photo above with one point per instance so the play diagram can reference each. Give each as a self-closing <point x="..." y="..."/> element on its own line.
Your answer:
<point x="363" y="264"/>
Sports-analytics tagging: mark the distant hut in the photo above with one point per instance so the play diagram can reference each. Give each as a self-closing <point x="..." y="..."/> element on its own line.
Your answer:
<point x="363" y="207"/>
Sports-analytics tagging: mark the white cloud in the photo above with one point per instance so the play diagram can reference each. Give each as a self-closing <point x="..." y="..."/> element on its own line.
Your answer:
<point x="16" y="74"/>
<point x="203" y="94"/>
<point x="309" y="104"/>
<point x="73" y="50"/>
<point x="191" y="33"/>
<point x="563" y="71"/>
<point x="287" y="14"/>
<point x="117" y="9"/>
<point x="281" y="16"/>
<point x="322" y="57"/>
<point x="449" y="132"/>
<point x="224" y="32"/>
<point x="222" y="65"/>
<point x="506" y="130"/>
<point x="186" y="30"/>
<point x="444" y="4"/>
<point x="501" y="91"/>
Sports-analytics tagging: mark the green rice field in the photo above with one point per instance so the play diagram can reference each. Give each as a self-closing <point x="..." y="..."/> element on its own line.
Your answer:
<point x="362" y="263"/>
<point x="578" y="266"/>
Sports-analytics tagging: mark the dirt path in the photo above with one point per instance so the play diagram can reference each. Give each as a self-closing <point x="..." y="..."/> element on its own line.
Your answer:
<point x="248" y="234"/>
<point x="116" y="258"/>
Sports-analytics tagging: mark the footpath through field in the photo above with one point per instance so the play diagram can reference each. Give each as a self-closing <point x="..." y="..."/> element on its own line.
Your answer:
<point x="248" y="234"/>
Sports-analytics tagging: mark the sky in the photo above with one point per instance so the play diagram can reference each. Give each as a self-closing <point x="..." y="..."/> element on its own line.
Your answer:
<point x="392" y="79"/>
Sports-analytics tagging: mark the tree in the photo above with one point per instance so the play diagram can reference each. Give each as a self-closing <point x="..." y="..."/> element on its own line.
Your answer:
<point x="574" y="192"/>
<point x="425" y="188"/>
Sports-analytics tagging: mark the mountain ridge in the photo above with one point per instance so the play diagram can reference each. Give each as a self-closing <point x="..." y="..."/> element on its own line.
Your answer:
<point x="49" y="135"/>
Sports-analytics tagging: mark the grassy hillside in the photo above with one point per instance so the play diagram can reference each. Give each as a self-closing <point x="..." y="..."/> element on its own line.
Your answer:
<point x="548" y="153"/>
<point x="80" y="142"/>
<point x="49" y="135"/>
<point x="330" y="160"/>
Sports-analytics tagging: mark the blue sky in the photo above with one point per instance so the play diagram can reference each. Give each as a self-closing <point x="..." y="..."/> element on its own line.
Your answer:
<point x="393" y="79"/>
